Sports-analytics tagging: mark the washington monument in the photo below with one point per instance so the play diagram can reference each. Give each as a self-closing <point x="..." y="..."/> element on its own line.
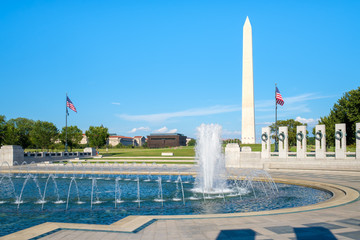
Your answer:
<point x="248" y="110"/>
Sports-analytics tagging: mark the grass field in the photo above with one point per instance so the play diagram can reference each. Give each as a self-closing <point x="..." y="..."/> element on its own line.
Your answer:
<point x="178" y="151"/>
<point x="143" y="152"/>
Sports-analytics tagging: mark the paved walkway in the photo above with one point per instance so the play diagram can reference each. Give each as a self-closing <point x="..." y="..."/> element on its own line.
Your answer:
<point x="341" y="222"/>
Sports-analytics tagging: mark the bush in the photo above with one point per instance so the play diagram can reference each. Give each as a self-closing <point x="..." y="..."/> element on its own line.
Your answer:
<point x="192" y="142"/>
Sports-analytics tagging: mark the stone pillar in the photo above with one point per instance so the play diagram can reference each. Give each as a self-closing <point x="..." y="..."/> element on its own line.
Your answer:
<point x="90" y="150"/>
<point x="320" y="142"/>
<point x="340" y="141"/>
<point x="232" y="155"/>
<point x="301" y="141"/>
<point x="265" y="142"/>
<point x="283" y="142"/>
<point x="11" y="153"/>
<point x="357" y="136"/>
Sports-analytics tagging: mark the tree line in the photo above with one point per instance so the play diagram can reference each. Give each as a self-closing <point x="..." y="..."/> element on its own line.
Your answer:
<point x="345" y="110"/>
<point x="43" y="135"/>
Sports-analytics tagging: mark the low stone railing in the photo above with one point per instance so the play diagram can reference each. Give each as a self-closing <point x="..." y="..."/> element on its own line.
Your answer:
<point x="330" y="155"/>
<point x="15" y="154"/>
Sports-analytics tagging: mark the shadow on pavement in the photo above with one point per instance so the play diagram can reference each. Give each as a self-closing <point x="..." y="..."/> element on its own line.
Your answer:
<point x="317" y="233"/>
<point x="246" y="234"/>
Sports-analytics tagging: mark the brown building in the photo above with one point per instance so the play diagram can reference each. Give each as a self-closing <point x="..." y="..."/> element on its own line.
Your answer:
<point x="160" y="140"/>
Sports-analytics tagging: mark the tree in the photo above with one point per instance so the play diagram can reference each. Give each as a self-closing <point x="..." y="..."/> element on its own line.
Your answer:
<point x="2" y="128"/>
<point x="10" y="135"/>
<point x="97" y="136"/>
<point x="22" y="128"/>
<point x="291" y="124"/>
<point x="119" y="145"/>
<point x="43" y="134"/>
<point x="74" y="136"/>
<point x="311" y="140"/>
<point x="192" y="142"/>
<point x="346" y="110"/>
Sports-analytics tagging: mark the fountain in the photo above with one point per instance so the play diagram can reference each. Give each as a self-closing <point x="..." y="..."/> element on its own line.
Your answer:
<point x="117" y="192"/>
<point x="211" y="174"/>
<point x="73" y="180"/>
<point x="112" y="191"/>
<point x="56" y="191"/>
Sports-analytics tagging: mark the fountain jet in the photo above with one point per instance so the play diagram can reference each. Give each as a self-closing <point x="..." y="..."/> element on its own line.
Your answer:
<point x="211" y="171"/>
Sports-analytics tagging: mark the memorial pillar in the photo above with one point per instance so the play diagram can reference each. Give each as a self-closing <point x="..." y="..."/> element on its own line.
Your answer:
<point x="340" y="141"/>
<point x="320" y="142"/>
<point x="301" y="141"/>
<point x="265" y="142"/>
<point x="283" y="142"/>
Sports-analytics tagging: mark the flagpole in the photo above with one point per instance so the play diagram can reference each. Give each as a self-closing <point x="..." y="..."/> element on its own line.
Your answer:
<point x="276" y="130"/>
<point x="66" y="124"/>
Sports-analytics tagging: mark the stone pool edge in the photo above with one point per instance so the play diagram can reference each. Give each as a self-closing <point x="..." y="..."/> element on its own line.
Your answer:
<point x="131" y="224"/>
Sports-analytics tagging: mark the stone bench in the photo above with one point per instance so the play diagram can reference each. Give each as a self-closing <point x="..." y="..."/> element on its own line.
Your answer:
<point x="167" y="154"/>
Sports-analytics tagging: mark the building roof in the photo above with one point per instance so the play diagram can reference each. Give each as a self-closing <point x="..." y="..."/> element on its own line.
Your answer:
<point x="138" y="137"/>
<point x="166" y="134"/>
<point x="119" y="137"/>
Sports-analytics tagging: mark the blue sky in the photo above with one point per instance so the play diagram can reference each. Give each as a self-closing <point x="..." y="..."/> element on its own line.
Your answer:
<point x="167" y="66"/>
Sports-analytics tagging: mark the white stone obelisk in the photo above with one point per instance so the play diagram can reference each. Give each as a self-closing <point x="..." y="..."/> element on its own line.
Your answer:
<point x="248" y="110"/>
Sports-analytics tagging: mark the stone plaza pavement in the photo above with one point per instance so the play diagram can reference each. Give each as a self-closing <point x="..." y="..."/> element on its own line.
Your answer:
<point x="342" y="222"/>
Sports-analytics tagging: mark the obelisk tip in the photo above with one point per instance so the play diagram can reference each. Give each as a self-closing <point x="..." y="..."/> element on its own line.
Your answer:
<point x="247" y="21"/>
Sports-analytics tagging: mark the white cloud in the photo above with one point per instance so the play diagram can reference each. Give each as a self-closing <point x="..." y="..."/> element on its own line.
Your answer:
<point x="309" y="121"/>
<point x="145" y="129"/>
<point x="228" y="133"/>
<point x="173" y="130"/>
<point x="303" y="98"/>
<point x="292" y="104"/>
<point x="161" y="130"/>
<point x="165" y="130"/>
<point x="161" y="117"/>
<point x="115" y="103"/>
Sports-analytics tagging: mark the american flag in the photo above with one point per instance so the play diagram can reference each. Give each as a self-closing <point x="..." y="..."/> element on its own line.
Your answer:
<point x="70" y="105"/>
<point x="279" y="99"/>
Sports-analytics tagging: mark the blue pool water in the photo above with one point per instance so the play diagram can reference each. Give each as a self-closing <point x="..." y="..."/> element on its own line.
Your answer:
<point x="103" y="192"/>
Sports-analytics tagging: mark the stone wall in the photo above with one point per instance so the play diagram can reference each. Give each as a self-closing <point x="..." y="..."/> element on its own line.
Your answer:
<point x="11" y="153"/>
<point x="14" y="155"/>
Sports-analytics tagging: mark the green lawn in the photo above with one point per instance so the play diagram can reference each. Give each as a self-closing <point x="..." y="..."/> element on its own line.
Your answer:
<point x="147" y="152"/>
